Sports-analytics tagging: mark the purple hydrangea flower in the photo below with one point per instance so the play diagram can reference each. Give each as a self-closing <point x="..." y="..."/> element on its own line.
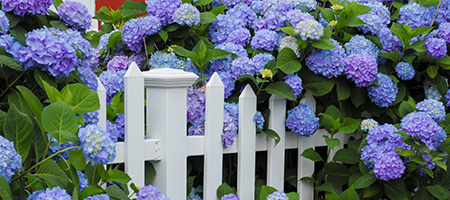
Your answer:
<point x="116" y="130"/>
<point x="388" y="166"/>
<point x="309" y="29"/>
<point x="118" y="63"/>
<point x="295" y="82"/>
<point x="220" y="29"/>
<point x="135" y="30"/>
<point x="98" y="197"/>
<point x="302" y="120"/>
<point x="50" y="193"/>
<point x="436" y="47"/>
<point x="379" y="17"/>
<point x="422" y="126"/>
<point x="91" y="117"/>
<point x="414" y="15"/>
<point x="259" y="120"/>
<point x="308" y="4"/>
<point x="197" y="129"/>
<point x="359" y="44"/>
<point x="239" y="50"/>
<point x="230" y="123"/>
<point x="444" y="31"/>
<point x="443" y="14"/>
<point x="260" y="60"/>
<point x="389" y="41"/>
<point x="447" y="98"/>
<point x="329" y="63"/>
<point x="278" y="195"/>
<point x="83" y="180"/>
<point x="384" y="94"/>
<point x="230" y="3"/>
<point x="4" y="23"/>
<point x="270" y="22"/>
<point x="163" y="9"/>
<point x="150" y="192"/>
<point x="166" y="60"/>
<point x="241" y="66"/>
<point x="432" y="107"/>
<point x="361" y="68"/>
<point x="187" y="14"/>
<point x="97" y="145"/>
<point x="138" y="58"/>
<point x="405" y="71"/>
<point x="230" y="197"/>
<point x="227" y="80"/>
<point x="75" y="14"/>
<point x="103" y="42"/>
<point x="265" y="40"/>
<point x="243" y="11"/>
<point x="27" y="7"/>
<point x="88" y="77"/>
<point x="10" y="160"/>
<point x="196" y="105"/>
<point x="113" y="83"/>
<point x="239" y="36"/>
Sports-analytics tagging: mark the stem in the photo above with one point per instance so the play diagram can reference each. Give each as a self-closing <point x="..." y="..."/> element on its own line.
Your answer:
<point x="10" y="85"/>
<point x="434" y="18"/>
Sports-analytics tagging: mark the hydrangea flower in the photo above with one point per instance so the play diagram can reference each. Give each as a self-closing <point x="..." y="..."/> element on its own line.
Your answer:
<point x="432" y="107"/>
<point x="136" y="29"/>
<point x="244" y="12"/>
<point x="113" y="83"/>
<point x="88" y="77"/>
<point x="194" y="193"/>
<point x="230" y="123"/>
<point x="295" y="16"/>
<point x="150" y="192"/>
<point x="367" y="124"/>
<point x="98" y="197"/>
<point x="259" y="120"/>
<point x="295" y="82"/>
<point x="97" y="145"/>
<point x="196" y="105"/>
<point x="117" y="63"/>
<point x="187" y="14"/>
<point x="265" y="40"/>
<point x="422" y="126"/>
<point x="431" y="91"/>
<point x="10" y="160"/>
<point x="359" y="44"/>
<point x="447" y="98"/>
<point x="75" y="14"/>
<point x="55" y="146"/>
<point x="230" y="3"/>
<point x="388" y="166"/>
<point x="384" y="94"/>
<point x="405" y="71"/>
<point x="230" y="197"/>
<point x="389" y="41"/>
<point x="444" y="31"/>
<point x="27" y="7"/>
<point x="4" y="23"/>
<point x="83" y="180"/>
<point x="50" y="193"/>
<point x="260" y="60"/>
<point x="436" y="47"/>
<point x="302" y="120"/>
<point x="308" y="4"/>
<point x="309" y="29"/>
<point x="443" y="14"/>
<point x="196" y="129"/>
<point x="414" y="15"/>
<point x="291" y="43"/>
<point x="239" y="50"/>
<point x="116" y="130"/>
<point x="91" y="117"/>
<point x="241" y="66"/>
<point x="278" y="195"/>
<point x="239" y="36"/>
<point x="221" y="28"/>
<point x="166" y="60"/>
<point x="329" y="63"/>
<point x="163" y="9"/>
<point x="379" y="17"/>
<point x="361" y="68"/>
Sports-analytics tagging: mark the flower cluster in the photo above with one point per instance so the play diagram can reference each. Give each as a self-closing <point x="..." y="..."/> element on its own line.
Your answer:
<point x="295" y="16"/>
<point x="414" y="15"/>
<point x="116" y="130"/>
<point x="329" y="63"/>
<point x="379" y="17"/>
<point x="431" y="91"/>
<point x="434" y="108"/>
<point x="389" y="166"/>
<point x="367" y="124"/>
<point x="239" y="36"/>
<point x="436" y="47"/>
<point x="98" y="197"/>
<point x="27" y="7"/>
<point x="166" y="60"/>
<point x="389" y="41"/>
<point x="220" y="29"/>
<point x="444" y="31"/>
<point x="259" y="120"/>
<point x="113" y="83"/>
<point x="187" y="14"/>
<point x="50" y="193"/>
<point x="265" y="39"/>
<point x="361" y="68"/>
<point x="230" y="197"/>
<point x="117" y="63"/>
<point x="422" y="126"/>
<point x="291" y="43"/>
<point x="278" y="195"/>
<point x="97" y="144"/>
<point x="384" y="94"/>
<point x="196" y="105"/>
<point x="295" y="82"/>
<point x="75" y="14"/>
<point x="163" y="9"/>
<point x="405" y="71"/>
<point x="302" y="120"/>
<point x="150" y="192"/>
<point x="358" y="44"/>
<point x="4" y="23"/>
<point x="230" y="123"/>
<point x="83" y="181"/>
<point x="55" y="146"/>
<point x="308" y="4"/>
<point x="135" y="30"/>
<point x="10" y="160"/>
<point x="88" y="77"/>
<point x="309" y="29"/>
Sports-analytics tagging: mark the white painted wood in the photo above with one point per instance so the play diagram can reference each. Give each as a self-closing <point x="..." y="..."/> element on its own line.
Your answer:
<point x="134" y="124"/>
<point x="246" y="145"/>
<point x="166" y="120"/>
<point x="101" y="92"/>
<point x="152" y="151"/>
<point x="275" y="154"/>
<point x="213" y="129"/>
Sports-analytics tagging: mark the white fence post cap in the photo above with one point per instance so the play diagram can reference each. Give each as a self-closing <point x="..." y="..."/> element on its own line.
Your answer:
<point x="167" y="77"/>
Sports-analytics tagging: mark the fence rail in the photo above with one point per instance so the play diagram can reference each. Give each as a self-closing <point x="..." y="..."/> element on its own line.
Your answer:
<point x="167" y="146"/>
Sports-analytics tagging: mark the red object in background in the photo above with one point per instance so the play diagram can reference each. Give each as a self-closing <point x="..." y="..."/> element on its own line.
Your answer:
<point x="114" y="4"/>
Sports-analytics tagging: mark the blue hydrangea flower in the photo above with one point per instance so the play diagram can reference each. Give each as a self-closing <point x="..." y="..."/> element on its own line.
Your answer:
<point x="239" y="50"/>
<point x="384" y="94"/>
<point x="10" y="160"/>
<point x="220" y="29"/>
<point x="414" y="15"/>
<point x="241" y="66"/>
<point x="367" y="124"/>
<point x="230" y="123"/>
<point x="150" y="192"/>
<point x="116" y="130"/>
<point x="308" y="4"/>
<point x="447" y="98"/>
<point x="361" y="68"/>
<point x="139" y="59"/>
<point x="436" y="47"/>
<point x="166" y="60"/>
<point x="230" y="197"/>
<point x="259" y="120"/>
<point x="389" y="41"/>
<point x="444" y="31"/>
<point x="329" y="63"/>
<point x="359" y="44"/>
<point x="97" y="145"/>
<point x="278" y="195"/>
<point x="113" y="83"/>
<point x="388" y="166"/>
<point x="432" y="107"/>
<point x="55" y="146"/>
<point x="405" y="71"/>
<point x="50" y="193"/>
<point x="302" y="120"/>
<point x="117" y="63"/>
<point x="243" y="11"/>
<point x="431" y="91"/>
<point x="91" y="117"/>
<point x="83" y="180"/>
<point x="187" y="14"/>
<point x="265" y="40"/>
<point x="88" y="77"/>
<point x="27" y="7"/>
<point x="163" y="9"/>
<point x="260" y="60"/>
<point x="239" y="36"/>
<point x="379" y="17"/>
<point x="98" y="197"/>
<point x="422" y="126"/>
<point x="196" y="105"/>
<point x="75" y="14"/>
<point x="266" y="23"/>
<point x="4" y="23"/>
<point x="443" y="14"/>
<point x="103" y="42"/>
<point x="309" y="29"/>
<point x="230" y="3"/>
<point x="295" y="82"/>
<point x="135" y="30"/>
<point x="291" y="43"/>
<point x="194" y="193"/>
<point x="196" y="129"/>
<point x="80" y="44"/>
<point x="19" y="51"/>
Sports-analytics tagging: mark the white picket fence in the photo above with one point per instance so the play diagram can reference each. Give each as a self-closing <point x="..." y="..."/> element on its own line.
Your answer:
<point x="167" y="145"/>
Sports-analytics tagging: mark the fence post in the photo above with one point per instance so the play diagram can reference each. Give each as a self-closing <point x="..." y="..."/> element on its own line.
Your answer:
<point x="134" y="124"/>
<point x="275" y="154"/>
<point x="246" y="144"/>
<point x="166" y="120"/>
<point x="213" y="144"/>
<point x="101" y="92"/>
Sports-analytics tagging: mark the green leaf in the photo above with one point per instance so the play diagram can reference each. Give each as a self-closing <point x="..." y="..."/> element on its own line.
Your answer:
<point x="59" y="116"/>
<point x="371" y="191"/>
<point x="272" y="134"/>
<point x="118" y="176"/>
<point x="423" y="194"/>
<point x="395" y="189"/>
<point x="266" y="191"/>
<point x="83" y="99"/>
<point x="203" y="2"/>
<point x="323" y="44"/>
<point x="390" y="55"/>
<point x="52" y="93"/>
<point x="224" y="189"/>
<point x="32" y="101"/>
<point x="426" y="3"/>
<point x="331" y="143"/>
<point x="317" y="85"/>
<point x="333" y="111"/>
<point x="358" y="97"/>
<point x="327" y="14"/>
<point x="352" y="22"/>
<point x="59" y="25"/>
<point x="56" y="3"/>
<point x="17" y="129"/>
<point x="281" y="89"/>
<point x="181" y="51"/>
<point x="114" y="38"/>
<point x="164" y="35"/>
<point x="2" y="121"/>
<point x="337" y="173"/>
<point x="365" y="181"/>
<point x="215" y="54"/>
<point x="327" y="187"/>
<point x="52" y="174"/>
<point x="438" y="191"/>
<point x="311" y="154"/>
<point x="190" y="184"/>
<point x="405" y="108"/>
<point x="288" y="30"/>
<point x="349" y="125"/>
<point x="77" y="159"/>
<point x="287" y="61"/>
<point x="65" y="136"/>
<point x="10" y="62"/>
<point x="19" y="32"/>
<point x="218" y="10"/>
<point x="115" y="192"/>
<point x="346" y="156"/>
<point x="5" y="189"/>
<point x="293" y="196"/>
<point x="343" y="89"/>
<point x="444" y="62"/>
<point x="207" y="17"/>
<point x="130" y="8"/>
<point x="432" y="71"/>
<point x="90" y="191"/>
<point x="349" y="194"/>
<point x="418" y="46"/>
<point x="445" y="145"/>
<point x="150" y="172"/>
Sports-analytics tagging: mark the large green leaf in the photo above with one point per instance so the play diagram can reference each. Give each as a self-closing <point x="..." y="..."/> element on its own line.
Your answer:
<point x="349" y="194"/>
<point x="311" y="154"/>
<point x="287" y="61"/>
<point x="215" y="54"/>
<point x="52" y="174"/>
<point x="323" y="44"/>
<point x="349" y="125"/>
<point x="77" y="159"/>
<point x="130" y="8"/>
<point x="83" y="99"/>
<point x="337" y="173"/>
<point x="10" y="62"/>
<point x="395" y="189"/>
<point x="317" y="85"/>
<point x="5" y="189"/>
<point x="365" y="181"/>
<point x="427" y="3"/>
<point x="2" y="121"/>
<point x="359" y="96"/>
<point x="343" y="89"/>
<point x="207" y="17"/>
<point x="266" y="191"/>
<point x="115" y="192"/>
<point x="281" y="89"/>
<point x="118" y="176"/>
<point x="18" y="128"/>
<point x="438" y="191"/>
<point x="33" y="102"/>
<point x="59" y="116"/>
<point x="224" y="189"/>
<point x="346" y="156"/>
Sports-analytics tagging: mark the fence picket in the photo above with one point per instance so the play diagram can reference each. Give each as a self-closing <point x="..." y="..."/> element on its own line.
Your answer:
<point x="101" y="92"/>
<point x="276" y="160"/>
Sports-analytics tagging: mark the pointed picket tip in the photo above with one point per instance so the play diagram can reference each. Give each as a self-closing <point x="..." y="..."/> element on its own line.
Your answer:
<point x="247" y="93"/>
<point x="100" y="88"/>
<point x="215" y="81"/>
<point x="133" y="71"/>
